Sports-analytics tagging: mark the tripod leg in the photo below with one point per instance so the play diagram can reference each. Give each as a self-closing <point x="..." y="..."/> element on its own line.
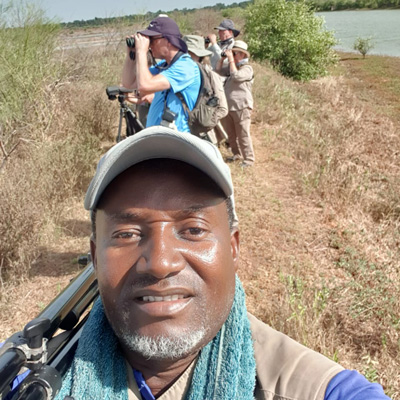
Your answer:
<point x="133" y="125"/>
<point x="121" y="113"/>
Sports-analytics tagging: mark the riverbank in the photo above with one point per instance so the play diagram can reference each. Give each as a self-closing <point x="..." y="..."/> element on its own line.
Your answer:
<point x="319" y="214"/>
<point x="381" y="26"/>
<point x="345" y="5"/>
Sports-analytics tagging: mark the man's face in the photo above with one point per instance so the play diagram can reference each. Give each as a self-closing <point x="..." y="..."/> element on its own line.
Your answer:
<point x="224" y="35"/>
<point x="158" y="46"/>
<point x="164" y="254"/>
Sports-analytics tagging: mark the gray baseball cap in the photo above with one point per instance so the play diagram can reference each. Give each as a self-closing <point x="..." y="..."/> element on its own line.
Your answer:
<point x="159" y="142"/>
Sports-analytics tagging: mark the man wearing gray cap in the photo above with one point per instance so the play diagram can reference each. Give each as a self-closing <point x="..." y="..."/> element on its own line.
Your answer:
<point x="175" y="73"/>
<point x="171" y="322"/>
<point x="227" y="33"/>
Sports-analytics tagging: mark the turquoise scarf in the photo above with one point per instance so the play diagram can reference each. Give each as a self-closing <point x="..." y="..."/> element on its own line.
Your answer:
<point x="225" y="369"/>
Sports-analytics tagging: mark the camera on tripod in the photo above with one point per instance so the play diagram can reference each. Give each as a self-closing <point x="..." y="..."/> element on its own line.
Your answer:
<point x="114" y="91"/>
<point x="133" y="124"/>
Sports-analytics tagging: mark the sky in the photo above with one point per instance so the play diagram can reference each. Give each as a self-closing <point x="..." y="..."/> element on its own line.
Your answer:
<point x="71" y="10"/>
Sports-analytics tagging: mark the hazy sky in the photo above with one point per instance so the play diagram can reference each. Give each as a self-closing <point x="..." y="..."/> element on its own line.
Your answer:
<point x="70" y="10"/>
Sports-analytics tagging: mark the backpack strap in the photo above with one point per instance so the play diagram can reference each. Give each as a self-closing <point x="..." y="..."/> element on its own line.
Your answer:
<point x="164" y="66"/>
<point x="179" y="95"/>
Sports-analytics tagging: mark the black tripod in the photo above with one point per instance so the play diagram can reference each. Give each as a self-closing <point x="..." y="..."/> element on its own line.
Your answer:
<point x="133" y="125"/>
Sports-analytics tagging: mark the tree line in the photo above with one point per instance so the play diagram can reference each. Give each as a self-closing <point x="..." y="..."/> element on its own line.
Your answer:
<point x="317" y="5"/>
<point x="336" y="5"/>
<point x="133" y="18"/>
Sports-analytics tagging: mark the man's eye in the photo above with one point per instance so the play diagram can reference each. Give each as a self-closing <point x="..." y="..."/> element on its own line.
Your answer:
<point x="127" y="235"/>
<point x="193" y="233"/>
<point x="196" y="231"/>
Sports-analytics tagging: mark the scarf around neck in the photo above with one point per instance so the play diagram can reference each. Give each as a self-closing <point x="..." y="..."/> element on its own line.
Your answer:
<point x="225" y="368"/>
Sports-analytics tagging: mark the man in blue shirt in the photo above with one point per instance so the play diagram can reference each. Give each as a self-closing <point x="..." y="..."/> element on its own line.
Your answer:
<point x="158" y="85"/>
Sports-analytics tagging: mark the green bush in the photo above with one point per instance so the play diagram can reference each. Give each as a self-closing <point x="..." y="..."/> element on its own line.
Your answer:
<point x="291" y="37"/>
<point x="27" y="42"/>
<point x="363" y="45"/>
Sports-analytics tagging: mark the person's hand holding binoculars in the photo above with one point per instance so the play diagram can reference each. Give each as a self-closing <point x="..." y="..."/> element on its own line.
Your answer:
<point x="142" y="43"/>
<point x="228" y="54"/>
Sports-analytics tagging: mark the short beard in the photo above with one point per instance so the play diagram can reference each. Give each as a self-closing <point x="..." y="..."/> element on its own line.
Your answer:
<point x="163" y="347"/>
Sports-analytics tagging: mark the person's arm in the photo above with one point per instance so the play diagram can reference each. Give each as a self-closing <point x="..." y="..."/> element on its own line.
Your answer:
<point x="243" y="74"/>
<point x="231" y="61"/>
<point x="216" y="82"/>
<point x="219" y="65"/>
<point x="215" y="49"/>
<point x="146" y="82"/>
<point x="351" y="385"/>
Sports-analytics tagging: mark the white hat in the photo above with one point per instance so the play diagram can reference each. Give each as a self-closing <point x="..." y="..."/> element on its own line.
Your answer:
<point x="159" y="142"/>
<point x="239" y="45"/>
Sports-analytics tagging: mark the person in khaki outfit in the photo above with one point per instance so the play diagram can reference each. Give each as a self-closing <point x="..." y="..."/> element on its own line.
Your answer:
<point x="171" y="321"/>
<point x="238" y="87"/>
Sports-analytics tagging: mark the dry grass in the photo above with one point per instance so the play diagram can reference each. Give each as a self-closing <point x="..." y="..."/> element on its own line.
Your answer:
<point x="320" y="222"/>
<point x="54" y="162"/>
<point x="318" y="212"/>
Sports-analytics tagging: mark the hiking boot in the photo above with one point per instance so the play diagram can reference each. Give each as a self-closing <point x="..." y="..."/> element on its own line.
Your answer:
<point x="232" y="158"/>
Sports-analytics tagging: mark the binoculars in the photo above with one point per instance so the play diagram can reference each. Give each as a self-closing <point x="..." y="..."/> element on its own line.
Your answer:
<point x="130" y="42"/>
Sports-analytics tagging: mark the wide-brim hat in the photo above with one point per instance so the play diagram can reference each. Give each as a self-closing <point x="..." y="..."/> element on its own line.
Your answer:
<point x="227" y="24"/>
<point x="239" y="45"/>
<point x="168" y="28"/>
<point x="195" y="45"/>
<point x="159" y="142"/>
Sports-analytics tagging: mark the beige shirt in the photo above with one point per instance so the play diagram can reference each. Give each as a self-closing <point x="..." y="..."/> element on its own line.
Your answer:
<point x="238" y="88"/>
<point x="177" y="391"/>
<point x="286" y="370"/>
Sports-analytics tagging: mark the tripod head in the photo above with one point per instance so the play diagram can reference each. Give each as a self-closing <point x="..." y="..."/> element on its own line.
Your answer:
<point x="114" y="92"/>
<point x="133" y="125"/>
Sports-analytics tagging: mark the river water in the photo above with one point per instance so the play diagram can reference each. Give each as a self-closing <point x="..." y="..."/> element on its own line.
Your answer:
<point x="382" y="25"/>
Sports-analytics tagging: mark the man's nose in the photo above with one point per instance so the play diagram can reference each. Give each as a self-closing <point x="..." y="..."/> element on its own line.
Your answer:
<point x="161" y="256"/>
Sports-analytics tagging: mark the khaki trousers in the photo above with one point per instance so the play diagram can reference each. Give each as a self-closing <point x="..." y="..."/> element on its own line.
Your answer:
<point x="237" y="127"/>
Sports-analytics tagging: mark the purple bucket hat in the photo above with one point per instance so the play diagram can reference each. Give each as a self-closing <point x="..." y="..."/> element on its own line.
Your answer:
<point x="168" y="28"/>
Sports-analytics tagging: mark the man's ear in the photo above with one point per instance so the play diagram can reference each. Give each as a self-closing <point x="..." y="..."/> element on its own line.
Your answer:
<point x="93" y="251"/>
<point x="235" y="247"/>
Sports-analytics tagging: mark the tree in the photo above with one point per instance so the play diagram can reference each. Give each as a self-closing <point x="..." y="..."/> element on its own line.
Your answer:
<point x="291" y="37"/>
<point x="363" y="45"/>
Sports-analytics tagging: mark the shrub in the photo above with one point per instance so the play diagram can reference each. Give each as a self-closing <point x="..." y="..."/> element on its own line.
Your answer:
<point x="363" y="45"/>
<point x="56" y="103"/>
<point x="27" y="42"/>
<point x="291" y="37"/>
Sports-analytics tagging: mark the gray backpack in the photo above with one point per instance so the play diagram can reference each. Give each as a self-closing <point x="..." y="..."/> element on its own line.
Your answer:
<point x="203" y="116"/>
